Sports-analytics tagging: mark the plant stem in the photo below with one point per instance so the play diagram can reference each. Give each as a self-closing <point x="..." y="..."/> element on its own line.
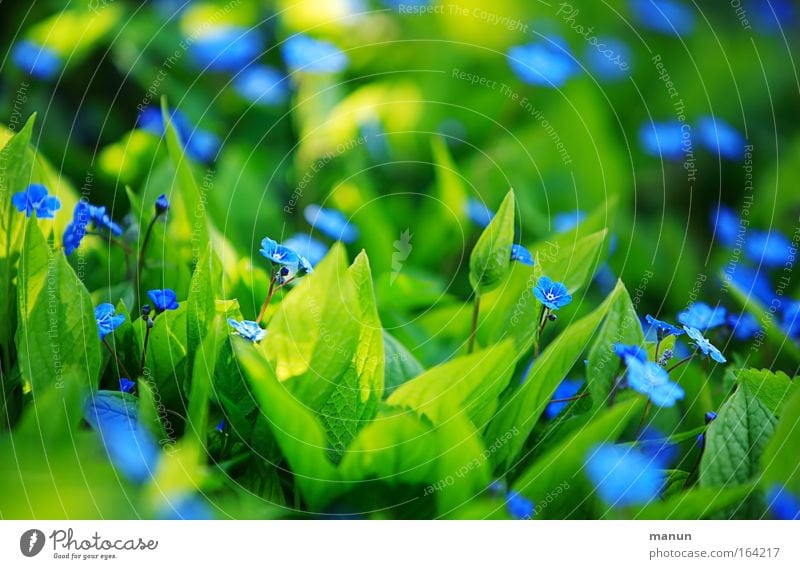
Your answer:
<point x="568" y="399"/>
<point x="696" y="462"/>
<point x="144" y="348"/>
<point x="658" y="345"/>
<point x="120" y="367"/>
<point x="683" y="361"/>
<point x="474" y="328"/>
<point x="540" y="328"/>
<point x="644" y="417"/>
<point x="140" y="262"/>
<point x="269" y="296"/>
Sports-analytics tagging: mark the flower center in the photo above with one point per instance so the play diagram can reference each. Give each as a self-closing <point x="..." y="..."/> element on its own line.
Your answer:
<point x="550" y="296"/>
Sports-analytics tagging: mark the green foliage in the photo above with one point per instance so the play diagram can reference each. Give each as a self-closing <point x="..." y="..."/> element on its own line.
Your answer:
<point x="491" y="257"/>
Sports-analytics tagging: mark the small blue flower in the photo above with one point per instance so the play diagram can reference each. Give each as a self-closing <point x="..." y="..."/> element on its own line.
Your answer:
<point x="519" y="507"/>
<point x="770" y="17"/>
<point x="553" y="295"/>
<point x="547" y="63"/>
<point x="667" y="139"/>
<point x="726" y="225"/>
<point x="185" y="507"/>
<point x="657" y="446"/>
<point x="226" y="48"/>
<point x="163" y="299"/>
<point x="307" y="247"/>
<point x="609" y="59"/>
<point x="102" y="221"/>
<point x="331" y="223"/>
<point x="479" y="212"/>
<point x="566" y="389"/>
<point x="220" y="426"/>
<point x="76" y="229"/>
<point x="306" y="54"/>
<point x="701" y="316"/>
<point x="771" y="249"/>
<point x="720" y="137"/>
<point x="162" y="204"/>
<point x="790" y="323"/>
<point x="710" y="416"/>
<point x="248" y="329"/>
<point x="705" y="346"/>
<point x="199" y="144"/>
<point x="37" y="61"/>
<point x="745" y="326"/>
<point x="262" y="85"/>
<point x="652" y="380"/>
<point x="126" y="385"/>
<point x="304" y="266"/>
<point x="664" y="16"/>
<point x="624" y="351"/>
<point x="278" y="254"/>
<point x="753" y="283"/>
<point x="782" y="503"/>
<point x="521" y="255"/>
<point x="36" y="199"/>
<point x="567" y="220"/>
<point x="107" y="319"/>
<point x="663" y="329"/>
<point x="623" y="476"/>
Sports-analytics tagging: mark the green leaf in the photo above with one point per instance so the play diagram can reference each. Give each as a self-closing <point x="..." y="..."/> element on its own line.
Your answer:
<point x="575" y="262"/>
<point x="201" y="303"/>
<point x="696" y="504"/>
<point x="510" y="310"/>
<point x="401" y="365"/>
<point x="523" y="407"/>
<point x="491" y="257"/>
<point x="202" y="380"/>
<point x="779" y="459"/>
<point x="57" y="341"/>
<point x="773" y="389"/>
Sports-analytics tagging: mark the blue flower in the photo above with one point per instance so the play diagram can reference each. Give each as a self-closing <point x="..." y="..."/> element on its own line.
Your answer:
<point x="185" y="507"/>
<point x="163" y="299"/>
<point x="76" y="229"/>
<point x="547" y="63"/>
<point x="745" y="326"/>
<point x="37" y="61"/>
<point x="101" y="220"/>
<point x="665" y="16"/>
<point x="521" y="254"/>
<point x="652" y="380"/>
<point x="710" y="416"/>
<point x="566" y="389"/>
<point x="753" y="283"/>
<point x="782" y="503"/>
<point x="770" y="17"/>
<point x="726" y="225"/>
<point x="790" y="323"/>
<point x="226" y="48"/>
<point x="331" y="223"/>
<point x="720" y="137"/>
<point x="657" y="446"/>
<point x="701" y="316"/>
<point x="126" y="385"/>
<point x="36" y="199"/>
<point x="220" y="426"/>
<point x="248" y="329"/>
<point x="130" y="446"/>
<point x="665" y="139"/>
<point x="705" y="346"/>
<point x="479" y="212"/>
<point x="609" y="59"/>
<point x="663" y="329"/>
<point x="624" y="351"/>
<point x="262" y="85"/>
<point x="162" y="204"/>
<point x="519" y="507"/>
<point x="771" y="249"/>
<point x="278" y="254"/>
<point x="567" y="220"/>
<point x="304" y="53"/>
<point x="199" y="144"/>
<point x="107" y="319"/>
<point x="313" y="250"/>
<point x="623" y="476"/>
<point x="553" y="295"/>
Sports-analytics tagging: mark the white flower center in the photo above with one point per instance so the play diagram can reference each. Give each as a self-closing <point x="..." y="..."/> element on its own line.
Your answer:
<point x="550" y="296"/>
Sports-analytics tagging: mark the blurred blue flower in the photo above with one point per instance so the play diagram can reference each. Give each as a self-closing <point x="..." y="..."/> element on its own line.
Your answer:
<point x="720" y="137"/>
<point x="609" y="59"/>
<point x="306" y="54"/>
<point x="107" y="319"/>
<point x="262" y="85"/>
<point x="76" y="229"/>
<point x="701" y="316"/>
<point x="553" y="295"/>
<point x="665" y="139"/>
<point x="185" y="507"/>
<point x="652" y="380"/>
<point x="705" y="346"/>
<point x="163" y="299"/>
<point x="313" y="250"/>
<point x="35" y="199"/>
<point x="663" y="329"/>
<point x="521" y="255"/>
<point x="37" y="61"/>
<point x="710" y="416"/>
<point x="664" y="16"/>
<point x="162" y="204"/>
<point x="726" y="225"/>
<point x="248" y="329"/>
<point x="625" y="351"/>
<point x="745" y="326"/>
<point x="623" y="476"/>
<point x="101" y="220"/>
<point x="479" y="212"/>
<point x="567" y="220"/>
<point x="768" y="248"/>
<point x="547" y="63"/>
<point x="130" y="446"/>
<point x="783" y="504"/>
<point x="278" y="254"/>
<point x="566" y="389"/>
<point x="220" y="426"/>
<point x="126" y="385"/>
<point x="770" y="17"/>
<point x="657" y="446"/>
<point x="519" y="507"/>
<point x="331" y="223"/>
<point x="753" y="283"/>
<point x="199" y="144"/>
<point x="226" y="48"/>
<point x="790" y="322"/>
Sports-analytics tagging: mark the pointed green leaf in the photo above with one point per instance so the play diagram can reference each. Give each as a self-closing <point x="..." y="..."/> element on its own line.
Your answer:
<point x="491" y="257"/>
